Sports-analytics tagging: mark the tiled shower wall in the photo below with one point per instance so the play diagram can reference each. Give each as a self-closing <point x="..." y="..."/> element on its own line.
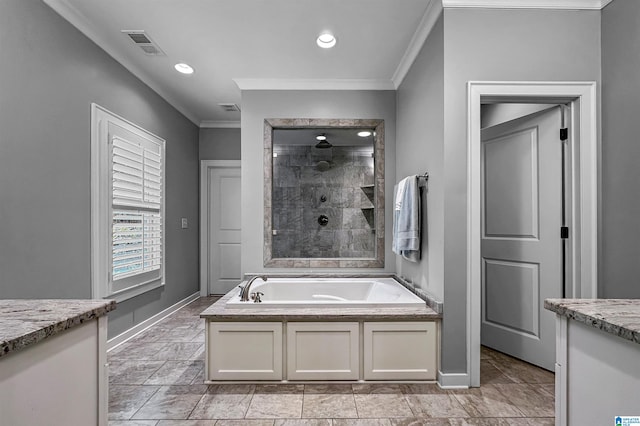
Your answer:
<point x="336" y="182"/>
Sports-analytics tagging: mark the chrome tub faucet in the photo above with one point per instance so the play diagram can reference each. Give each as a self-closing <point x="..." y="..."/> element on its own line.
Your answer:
<point x="244" y="293"/>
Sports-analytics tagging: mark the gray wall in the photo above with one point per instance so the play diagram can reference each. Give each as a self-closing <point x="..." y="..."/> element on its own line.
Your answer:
<point x="496" y="45"/>
<point x="219" y="144"/>
<point x="481" y="44"/>
<point x="419" y="149"/>
<point x="49" y="75"/>
<point x="260" y="104"/>
<point x="620" y="232"/>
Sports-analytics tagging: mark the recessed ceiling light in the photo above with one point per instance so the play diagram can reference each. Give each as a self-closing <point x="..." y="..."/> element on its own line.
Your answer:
<point x="184" y="68"/>
<point x="326" y="40"/>
<point x="364" y="133"/>
<point x="321" y="138"/>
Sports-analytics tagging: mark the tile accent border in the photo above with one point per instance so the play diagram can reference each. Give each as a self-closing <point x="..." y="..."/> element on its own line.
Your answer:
<point x="431" y="300"/>
<point x="287" y="123"/>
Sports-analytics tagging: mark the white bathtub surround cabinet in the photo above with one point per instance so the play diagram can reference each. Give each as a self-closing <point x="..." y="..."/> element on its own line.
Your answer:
<point x="53" y="362"/>
<point x="597" y="360"/>
<point x="322" y="342"/>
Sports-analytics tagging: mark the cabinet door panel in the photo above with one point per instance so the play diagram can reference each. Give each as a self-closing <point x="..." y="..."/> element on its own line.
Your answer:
<point x="400" y="351"/>
<point x="323" y="351"/>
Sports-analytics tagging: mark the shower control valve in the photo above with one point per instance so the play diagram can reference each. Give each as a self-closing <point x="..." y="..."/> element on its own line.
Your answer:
<point x="323" y="220"/>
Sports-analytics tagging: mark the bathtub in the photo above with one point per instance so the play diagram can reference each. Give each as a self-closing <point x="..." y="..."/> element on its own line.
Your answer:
<point x="328" y="292"/>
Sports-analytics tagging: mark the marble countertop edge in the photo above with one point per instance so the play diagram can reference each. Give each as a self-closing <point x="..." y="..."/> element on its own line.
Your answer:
<point x="619" y="317"/>
<point x="25" y="322"/>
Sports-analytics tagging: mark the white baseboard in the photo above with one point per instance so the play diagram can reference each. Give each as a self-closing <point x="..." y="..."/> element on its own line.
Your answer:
<point x="453" y="380"/>
<point x="139" y="328"/>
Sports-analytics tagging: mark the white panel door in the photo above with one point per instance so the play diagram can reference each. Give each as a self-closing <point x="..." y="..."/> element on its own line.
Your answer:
<point x="521" y="245"/>
<point x="224" y="229"/>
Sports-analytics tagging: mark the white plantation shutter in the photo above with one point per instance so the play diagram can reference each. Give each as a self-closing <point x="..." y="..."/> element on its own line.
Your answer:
<point x="136" y="198"/>
<point x="127" y="207"/>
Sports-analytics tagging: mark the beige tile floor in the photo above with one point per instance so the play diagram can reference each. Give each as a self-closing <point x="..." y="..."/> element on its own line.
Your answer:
<point x="156" y="380"/>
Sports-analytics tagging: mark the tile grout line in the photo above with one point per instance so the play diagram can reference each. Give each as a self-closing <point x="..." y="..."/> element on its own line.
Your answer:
<point x="145" y="402"/>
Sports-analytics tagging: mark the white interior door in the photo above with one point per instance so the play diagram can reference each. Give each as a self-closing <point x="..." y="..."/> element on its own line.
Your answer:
<point x="224" y="271"/>
<point x="521" y="247"/>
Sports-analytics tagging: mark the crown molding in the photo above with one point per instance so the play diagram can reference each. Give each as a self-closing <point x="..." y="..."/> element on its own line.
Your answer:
<point x="528" y="4"/>
<point x="312" y="84"/>
<point x="214" y="124"/>
<point x="431" y="14"/>
<point x="78" y="20"/>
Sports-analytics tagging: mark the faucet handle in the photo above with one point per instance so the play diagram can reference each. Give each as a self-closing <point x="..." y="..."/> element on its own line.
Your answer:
<point x="256" y="297"/>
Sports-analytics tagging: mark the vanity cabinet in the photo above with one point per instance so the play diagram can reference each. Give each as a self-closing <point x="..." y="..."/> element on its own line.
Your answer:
<point x="53" y="362"/>
<point x="322" y="351"/>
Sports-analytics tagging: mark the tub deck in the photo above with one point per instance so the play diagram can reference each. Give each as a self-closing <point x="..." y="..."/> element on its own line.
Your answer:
<point x="219" y="312"/>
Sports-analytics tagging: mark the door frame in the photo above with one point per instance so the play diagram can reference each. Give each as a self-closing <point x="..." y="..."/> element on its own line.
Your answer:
<point x="205" y="171"/>
<point x="583" y="192"/>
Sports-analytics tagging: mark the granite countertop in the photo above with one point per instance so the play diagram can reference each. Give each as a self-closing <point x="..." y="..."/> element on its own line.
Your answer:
<point x="620" y="317"/>
<point x="219" y="312"/>
<point x="26" y="322"/>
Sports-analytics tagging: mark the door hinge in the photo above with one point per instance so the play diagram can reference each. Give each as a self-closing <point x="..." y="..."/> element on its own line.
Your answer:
<point x="564" y="134"/>
<point x="564" y="232"/>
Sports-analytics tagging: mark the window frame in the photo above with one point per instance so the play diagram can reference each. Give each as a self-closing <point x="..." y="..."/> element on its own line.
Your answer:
<point x="102" y="283"/>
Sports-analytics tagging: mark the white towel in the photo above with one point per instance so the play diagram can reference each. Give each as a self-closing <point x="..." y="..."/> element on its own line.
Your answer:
<point x="406" y="219"/>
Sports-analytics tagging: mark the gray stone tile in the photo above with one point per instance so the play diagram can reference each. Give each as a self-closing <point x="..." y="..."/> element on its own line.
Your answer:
<point x="486" y="401"/>
<point x="199" y="379"/>
<point x="131" y="372"/>
<point x="186" y="423"/>
<point x="124" y="401"/>
<point x="549" y="389"/>
<point x="224" y="402"/>
<point x="176" y="373"/>
<point x="522" y="372"/>
<point x="279" y="388"/>
<point x="361" y="422"/>
<point x="140" y="350"/>
<point x="133" y="423"/>
<point x="181" y="334"/>
<point x="171" y="402"/>
<point x="329" y="406"/>
<point x="382" y="405"/>
<point x="490" y="374"/>
<point x="436" y="405"/>
<point x="274" y="406"/>
<point x="303" y="422"/>
<point x="423" y="389"/>
<point x="179" y="351"/>
<point x="530" y="399"/>
<point x="244" y="423"/>
<point x="541" y="421"/>
<point x="328" y="388"/>
<point x="231" y="389"/>
<point x="377" y="388"/>
<point x="479" y="422"/>
<point x="419" y="422"/>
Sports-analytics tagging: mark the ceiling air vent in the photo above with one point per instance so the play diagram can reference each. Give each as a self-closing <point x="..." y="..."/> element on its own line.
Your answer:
<point x="229" y="107"/>
<point x="144" y="42"/>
